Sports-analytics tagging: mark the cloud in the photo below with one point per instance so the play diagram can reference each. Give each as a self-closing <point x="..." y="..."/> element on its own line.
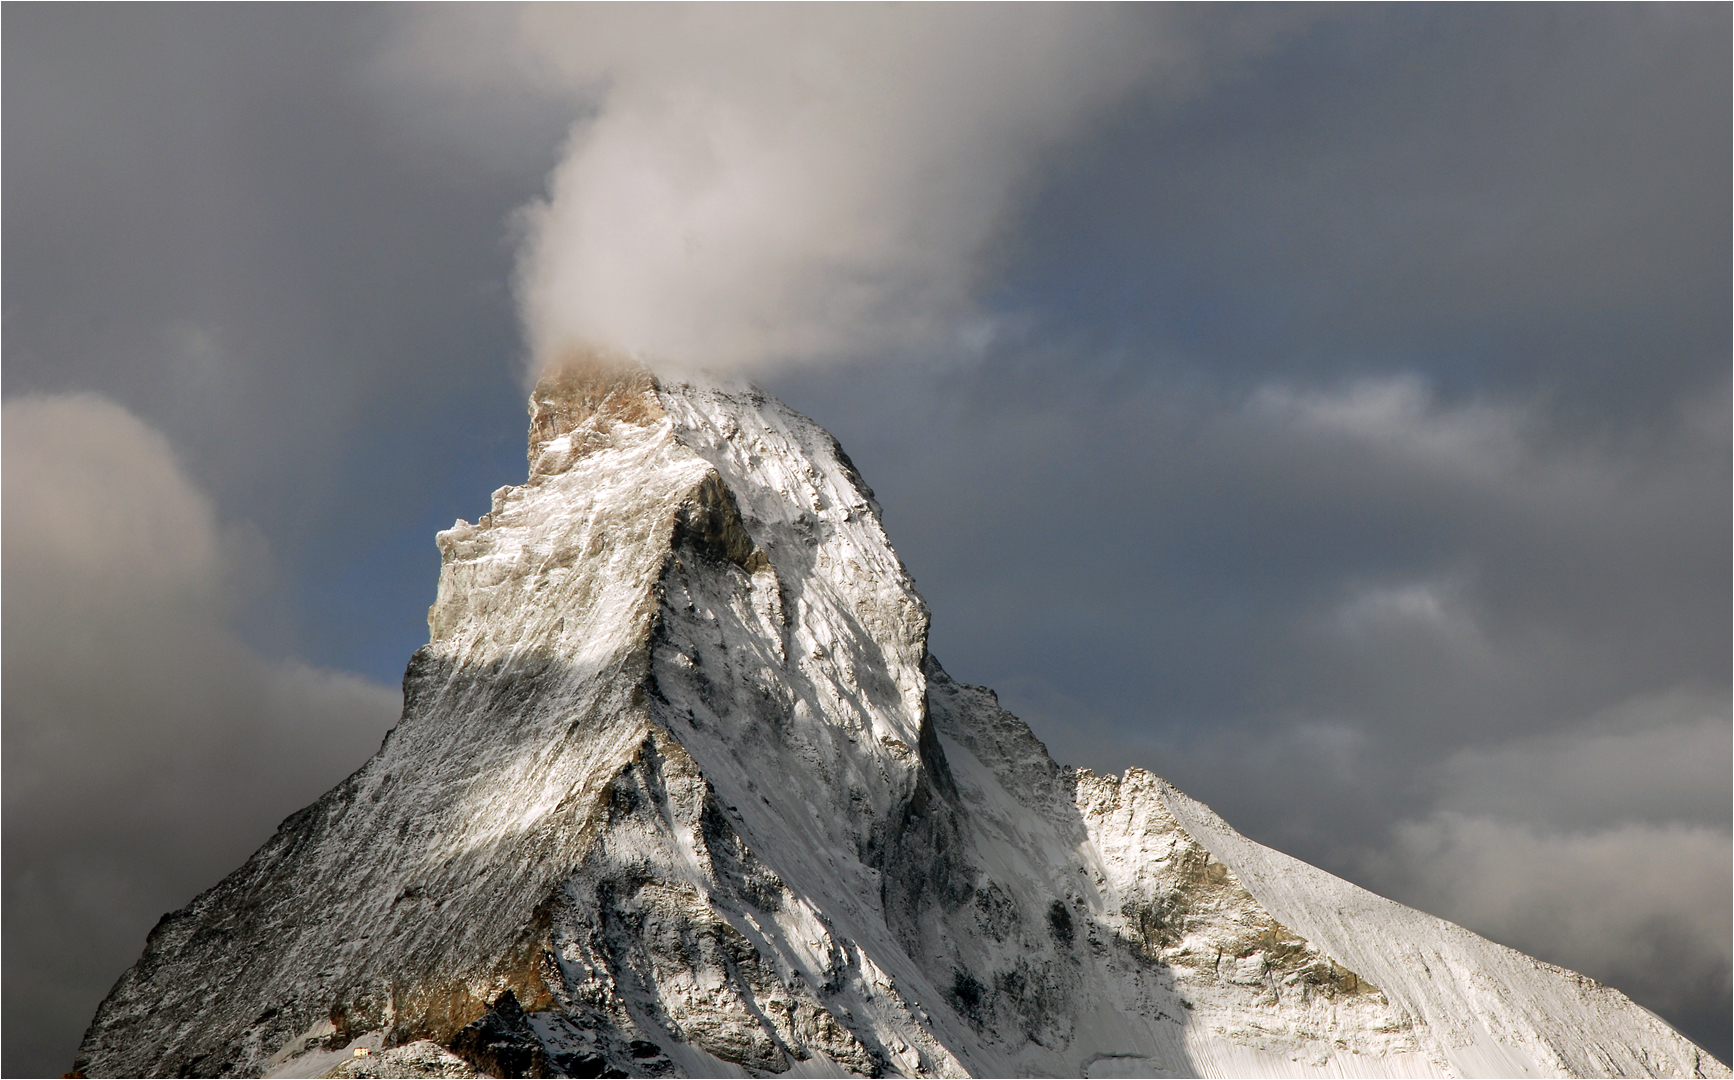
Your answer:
<point x="1605" y="849"/>
<point x="761" y="187"/>
<point x="1640" y="906"/>
<point x="1427" y="608"/>
<point x="1493" y="569"/>
<point x="753" y="187"/>
<point x="1658" y="758"/>
<point x="1399" y="415"/>
<point x="148" y="749"/>
<point x="1517" y="201"/>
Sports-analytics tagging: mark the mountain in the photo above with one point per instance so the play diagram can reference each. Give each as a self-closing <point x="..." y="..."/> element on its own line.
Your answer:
<point x="678" y="790"/>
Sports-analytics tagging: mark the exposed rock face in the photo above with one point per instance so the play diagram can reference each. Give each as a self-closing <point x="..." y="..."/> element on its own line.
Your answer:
<point x="678" y="791"/>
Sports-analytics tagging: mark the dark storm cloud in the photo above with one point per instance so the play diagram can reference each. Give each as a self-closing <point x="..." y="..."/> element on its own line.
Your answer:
<point x="1533" y="199"/>
<point x="1344" y="437"/>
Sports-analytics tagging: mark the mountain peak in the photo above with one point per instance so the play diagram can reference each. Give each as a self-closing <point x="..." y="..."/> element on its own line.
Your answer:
<point x="583" y="398"/>
<point x="678" y="790"/>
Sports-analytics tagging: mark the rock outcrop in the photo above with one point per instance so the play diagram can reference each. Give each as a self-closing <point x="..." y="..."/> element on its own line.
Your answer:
<point x="678" y="790"/>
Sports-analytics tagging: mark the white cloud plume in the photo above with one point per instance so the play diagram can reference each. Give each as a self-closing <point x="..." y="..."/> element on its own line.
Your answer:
<point x="753" y="186"/>
<point x="764" y="185"/>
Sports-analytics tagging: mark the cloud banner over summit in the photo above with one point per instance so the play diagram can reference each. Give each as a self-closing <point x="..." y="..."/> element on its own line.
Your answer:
<point x="744" y="189"/>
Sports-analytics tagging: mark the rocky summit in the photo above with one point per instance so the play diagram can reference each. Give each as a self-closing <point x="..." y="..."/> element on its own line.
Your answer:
<point x="679" y="791"/>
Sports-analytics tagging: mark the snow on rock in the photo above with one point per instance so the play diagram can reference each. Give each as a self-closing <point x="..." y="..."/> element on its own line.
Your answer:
<point x="417" y="1059"/>
<point x="678" y="790"/>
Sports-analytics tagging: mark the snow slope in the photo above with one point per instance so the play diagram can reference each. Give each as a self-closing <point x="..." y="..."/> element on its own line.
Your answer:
<point x="679" y="791"/>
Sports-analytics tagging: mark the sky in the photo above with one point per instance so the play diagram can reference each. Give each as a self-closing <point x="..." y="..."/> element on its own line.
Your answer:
<point x="1327" y="409"/>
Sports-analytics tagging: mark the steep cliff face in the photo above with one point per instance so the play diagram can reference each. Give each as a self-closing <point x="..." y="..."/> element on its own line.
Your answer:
<point x="679" y="791"/>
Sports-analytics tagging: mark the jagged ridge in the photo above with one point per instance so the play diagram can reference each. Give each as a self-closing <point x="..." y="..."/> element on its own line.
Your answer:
<point x="678" y="790"/>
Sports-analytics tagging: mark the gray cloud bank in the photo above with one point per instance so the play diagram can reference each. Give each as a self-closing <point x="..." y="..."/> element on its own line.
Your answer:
<point x="1327" y="410"/>
<point x="148" y="749"/>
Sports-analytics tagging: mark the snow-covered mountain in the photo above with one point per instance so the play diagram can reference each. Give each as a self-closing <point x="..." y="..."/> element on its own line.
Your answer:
<point x="678" y="790"/>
